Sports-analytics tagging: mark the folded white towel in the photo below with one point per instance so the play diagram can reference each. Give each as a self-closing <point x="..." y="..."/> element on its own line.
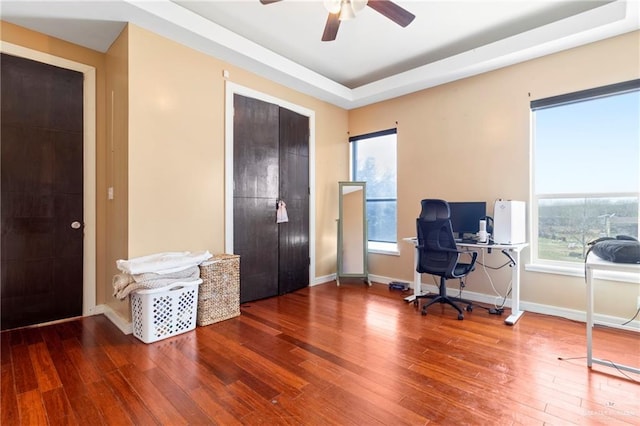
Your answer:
<point x="162" y="263"/>
<point x="123" y="284"/>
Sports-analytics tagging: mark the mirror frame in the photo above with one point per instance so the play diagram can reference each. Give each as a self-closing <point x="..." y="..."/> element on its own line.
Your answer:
<point x="342" y="186"/>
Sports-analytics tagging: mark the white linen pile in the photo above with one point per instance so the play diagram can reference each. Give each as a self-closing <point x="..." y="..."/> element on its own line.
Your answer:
<point x="156" y="271"/>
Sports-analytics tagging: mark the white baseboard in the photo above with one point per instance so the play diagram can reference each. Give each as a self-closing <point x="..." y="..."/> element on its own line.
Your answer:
<point x="581" y="316"/>
<point x="97" y="310"/>
<point x="123" y="324"/>
<point x="324" y="279"/>
<point x="570" y="314"/>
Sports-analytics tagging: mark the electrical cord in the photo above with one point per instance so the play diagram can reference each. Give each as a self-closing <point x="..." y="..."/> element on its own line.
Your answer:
<point x="495" y="268"/>
<point x="632" y="318"/>
<point x="613" y="364"/>
<point x="492" y="311"/>
<point x="512" y="261"/>
<point x="504" y="298"/>
<point x="561" y="358"/>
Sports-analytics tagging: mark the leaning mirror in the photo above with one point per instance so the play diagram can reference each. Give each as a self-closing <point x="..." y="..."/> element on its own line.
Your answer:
<point x="352" y="231"/>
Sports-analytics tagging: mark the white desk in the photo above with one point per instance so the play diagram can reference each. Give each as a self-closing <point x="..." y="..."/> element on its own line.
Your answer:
<point x="593" y="263"/>
<point x="513" y="249"/>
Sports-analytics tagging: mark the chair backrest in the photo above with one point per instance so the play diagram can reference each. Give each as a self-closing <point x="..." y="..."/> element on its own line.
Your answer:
<point x="437" y="251"/>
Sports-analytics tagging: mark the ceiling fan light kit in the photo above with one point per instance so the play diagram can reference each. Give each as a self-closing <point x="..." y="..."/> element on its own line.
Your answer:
<point x="343" y="10"/>
<point x="332" y="6"/>
<point x="346" y="8"/>
<point x="347" y="12"/>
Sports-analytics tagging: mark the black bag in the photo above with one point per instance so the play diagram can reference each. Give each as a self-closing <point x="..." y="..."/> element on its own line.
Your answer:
<point x="622" y="249"/>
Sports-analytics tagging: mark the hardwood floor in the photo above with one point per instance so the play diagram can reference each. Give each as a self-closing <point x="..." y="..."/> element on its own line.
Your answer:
<point x="324" y="355"/>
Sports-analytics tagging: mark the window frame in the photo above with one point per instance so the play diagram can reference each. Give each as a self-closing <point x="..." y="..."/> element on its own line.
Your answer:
<point x="375" y="246"/>
<point x="557" y="266"/>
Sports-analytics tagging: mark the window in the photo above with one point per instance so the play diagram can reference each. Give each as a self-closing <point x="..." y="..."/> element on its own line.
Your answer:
<point x="373" y="159"/>
<point x="586" y="170"/>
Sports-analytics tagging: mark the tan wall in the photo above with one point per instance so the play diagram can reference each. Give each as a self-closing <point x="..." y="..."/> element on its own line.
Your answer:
<point x="117" y="158"/>
<point x="176" y="149"/>
<point x="464" y="140"/>
<point x="163" y="150"/>
<point x="469" y="140"/>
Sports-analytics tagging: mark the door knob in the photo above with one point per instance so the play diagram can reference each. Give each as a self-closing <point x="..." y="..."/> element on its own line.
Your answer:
<point x="76" y="225"/>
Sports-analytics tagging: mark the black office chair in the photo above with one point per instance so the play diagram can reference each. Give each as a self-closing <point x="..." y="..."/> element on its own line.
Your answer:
<point x="438" y="254"/>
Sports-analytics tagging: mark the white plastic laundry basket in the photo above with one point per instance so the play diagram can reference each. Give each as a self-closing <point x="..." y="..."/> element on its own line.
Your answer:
<point x="164" y="312"/>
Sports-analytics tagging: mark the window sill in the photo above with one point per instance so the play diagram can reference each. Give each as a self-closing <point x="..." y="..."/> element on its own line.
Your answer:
<point x="578" y="271"/>
<point x="390" y="249"/>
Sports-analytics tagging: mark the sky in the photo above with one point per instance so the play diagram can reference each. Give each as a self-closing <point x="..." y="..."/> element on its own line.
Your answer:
<point x="589" y="147"/>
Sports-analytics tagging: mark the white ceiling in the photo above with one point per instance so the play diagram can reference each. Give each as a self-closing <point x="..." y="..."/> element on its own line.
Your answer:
<point x="372" y="58"/>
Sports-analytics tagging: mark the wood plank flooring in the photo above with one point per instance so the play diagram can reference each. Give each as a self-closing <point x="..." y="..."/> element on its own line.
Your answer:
<point x="324" y="355"/>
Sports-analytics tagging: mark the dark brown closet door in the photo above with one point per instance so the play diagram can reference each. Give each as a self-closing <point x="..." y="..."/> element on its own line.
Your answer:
<point x="271" y="163"/>
<point x="255" y="192"/>
<point x="42" y="136"/>
<point x="294" y="191"/>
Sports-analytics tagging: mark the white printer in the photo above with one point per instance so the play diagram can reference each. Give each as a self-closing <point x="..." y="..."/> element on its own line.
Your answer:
<point x="509" y="222"/>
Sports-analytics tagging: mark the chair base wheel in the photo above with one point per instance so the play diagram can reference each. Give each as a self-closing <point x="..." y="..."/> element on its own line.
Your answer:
<point x="460" y="316"/>
<point x="469" y="308"/>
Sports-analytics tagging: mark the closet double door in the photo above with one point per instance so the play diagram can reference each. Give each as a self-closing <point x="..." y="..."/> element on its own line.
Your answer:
<point x="270" y="164"/>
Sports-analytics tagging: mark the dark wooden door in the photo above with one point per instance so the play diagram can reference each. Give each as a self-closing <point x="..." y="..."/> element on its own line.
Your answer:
<point x="255" y="192"/>
<point x="42" y="189"/>
<point x="294" y="191"/>
<point x="271" y="162"/>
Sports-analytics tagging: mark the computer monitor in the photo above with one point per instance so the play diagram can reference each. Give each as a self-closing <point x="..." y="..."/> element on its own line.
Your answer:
<point x="465" y="216"/>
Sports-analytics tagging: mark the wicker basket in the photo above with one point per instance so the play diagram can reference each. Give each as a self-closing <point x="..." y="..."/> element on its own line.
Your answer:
<point x="219" y="293"/>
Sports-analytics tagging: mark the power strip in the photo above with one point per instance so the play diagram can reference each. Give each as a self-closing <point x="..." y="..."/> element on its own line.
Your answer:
<point x="398" y="285"/>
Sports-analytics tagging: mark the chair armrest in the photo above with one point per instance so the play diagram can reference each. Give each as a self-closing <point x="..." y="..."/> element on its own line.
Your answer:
<point x="472" y="253"/>
<point x="474" y="257"/>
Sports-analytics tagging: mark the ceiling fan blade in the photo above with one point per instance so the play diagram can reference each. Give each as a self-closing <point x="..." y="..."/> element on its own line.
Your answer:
<point x="331" y="27"/>
<point x="392" y="11"/>
<point x="268" y="1"/>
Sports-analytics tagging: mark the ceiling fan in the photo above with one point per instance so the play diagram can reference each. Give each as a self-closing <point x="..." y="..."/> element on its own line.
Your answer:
<point x="342" y="10"/>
